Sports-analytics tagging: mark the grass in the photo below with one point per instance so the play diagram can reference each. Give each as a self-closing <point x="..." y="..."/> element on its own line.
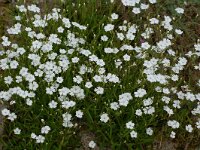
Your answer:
<point x="114" y="134"/>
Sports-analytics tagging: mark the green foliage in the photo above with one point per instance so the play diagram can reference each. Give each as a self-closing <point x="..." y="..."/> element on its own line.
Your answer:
<point x="111" y="134"/>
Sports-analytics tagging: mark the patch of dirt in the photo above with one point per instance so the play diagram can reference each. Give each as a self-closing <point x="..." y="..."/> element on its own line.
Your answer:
<point x="164" y="145"/>
<point x="86" y="137"/>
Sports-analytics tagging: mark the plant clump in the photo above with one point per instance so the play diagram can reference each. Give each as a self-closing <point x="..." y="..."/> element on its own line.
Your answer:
<point x="125" y="84"/>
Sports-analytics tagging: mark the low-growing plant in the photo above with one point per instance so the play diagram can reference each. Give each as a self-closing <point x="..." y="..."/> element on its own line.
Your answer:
<point x="118" y="73"/>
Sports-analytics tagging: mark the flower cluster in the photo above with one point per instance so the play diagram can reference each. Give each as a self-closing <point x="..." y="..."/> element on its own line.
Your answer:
<point x="126" y="83"/>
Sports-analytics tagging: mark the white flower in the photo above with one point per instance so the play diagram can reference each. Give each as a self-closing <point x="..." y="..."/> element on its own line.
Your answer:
<point x="140" y="92"/>
<point x="77" y="92"/>
<point x="173" y="123"/>
<point x="49" y="91"/>
<point x="197" y="47"/>
<point x="123" y="102"/>
<point x="52" y="56"/>
<point x="154" y="21"/>
<point x="97" y="78"/>
<point x="166" y="91"/>
<point x="47" y="47"/>
<point x="5" y="112"/>
<point x="126" y="57"/>
<point x="114" y="106"/>
<point x="179" y="10"/>
<point x="171" y="52"/>
<point x="138" y="112"/>
<point x="93" y="58"/>
<point x="168" y="110"/>
<point x="189" y="128"/>
<point x="66" y="22"/>
<point x="163" y="44"/>
<point x="62" y="51"/>
<point x="60" y="29"/>
<point x="67" y="124"/>
<point x="54" y="39"/>
<point x="64" y="91"/>
<point x="104" y="117"/>
<point x="174" y="77"/>
<point x="68" y="104"/>
<point x="59" y="79"/>
<point x="173" y="134"/>
<point x="45" y="129"/>
<point x="198" y="96"/>
<point x="67" y="117"/>
<point x="78" y="79"/>
<point x="36" y="45"/>
<point x="81" y="27"/>
<point x="133" y="134"/>
<point x="114" y="16"/>
<point x="198" y="124"/>
<point x="40" y="139"/>
<point x="176" y="104"/>
<point x="152" y="1"/>
<point x="28" y="29"/>
<point x="17" y="131"/>
<point x="12" y="116"/>
<point x="88" y="85"/>
<point x="112" y="78"/>
<point x="37" y="73"/>
<point x="145" y="45"/>
<point x="34" y="8"/>
<point x="5" y="42"/>
<point x="149" y="131"/>
<point x="29" y="102"/>
<point x="33" y="135"/>
<point x="104" y="38"/>
<point x="124" y="99"/>
<point x="29" y="77"/>
<point x="15" y="30"/>
<point x="75" y="59"/>
<point x="149" y="110"/>
<point x="178" y="31"/>
<point x="130" y="125"/>
<point x="182" y="61"/>
<point x="99" y="90"/>
<point x="147" y="102"/>
<point x="190" y="96"/>
<point x="120" y="36"/>
<point x="33" y="86"/>
<point x="79" y="114"/>
<point x="130" y="2"/>
<point x="22" y="8"/>
<point x="109" y="27"/>
<point x="53" y="104"/>
<point x="92" y="144"/>
<point x="101" y="70"/>
<point x="14" y="64"/>
<point x="108" y="50"/>
<point x="144" y="6"/>
<point x="181" y="95"/>
<point x="40" y="36"/>
<point x="8" y="80"/>
<point x="12" y="102"/>
<point x="136" y="10"/>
